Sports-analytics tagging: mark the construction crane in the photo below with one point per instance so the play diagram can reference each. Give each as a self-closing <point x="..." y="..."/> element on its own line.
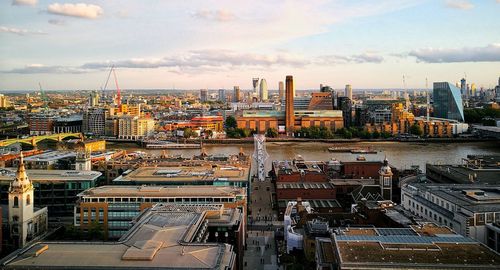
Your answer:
<point x="118" y="92"/>
<point x="43" y="96"/>
<point x="107" y="80"/>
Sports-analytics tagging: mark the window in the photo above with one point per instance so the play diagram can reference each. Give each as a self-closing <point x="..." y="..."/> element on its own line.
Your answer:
<point x="16" y="202"/>
<point x="28" y="200"/>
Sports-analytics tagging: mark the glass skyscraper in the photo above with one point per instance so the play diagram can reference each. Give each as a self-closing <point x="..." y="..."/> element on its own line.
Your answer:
<point x="448" y="101"/>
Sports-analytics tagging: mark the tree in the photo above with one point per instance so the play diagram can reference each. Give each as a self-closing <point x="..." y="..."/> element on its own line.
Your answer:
<point x="95" y="231"/>
<point x="188" y="132"/>
<point x="416" y="130"/>
<point x="385" y="134"/>
<point x="271" y="133"/>
<point x="365" y="134"/>
<point x="376" y="134"/>
<point x="231" y="122"/>
<point x="209" y="133"/>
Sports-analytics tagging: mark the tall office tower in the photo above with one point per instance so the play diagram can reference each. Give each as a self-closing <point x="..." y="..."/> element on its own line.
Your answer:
<point x="473" y="89"/>
<point x="255" y="83"/>
<point x="203" y="95"/>
<point x="497" y="91"/>
<point x="222" y="95"/>
<point x="463" y="87"/>
<point x="289" y="112"/>
<point x="448" y="102"/>
<point x="407" y="101"/>
<point x="4" y="102"/>
<point x="281" y="87"/>
<point x="237" y="94"/>
<point x="348" y="91"/>
<point x="263" y="90"/>
<point x="94" y="99"/>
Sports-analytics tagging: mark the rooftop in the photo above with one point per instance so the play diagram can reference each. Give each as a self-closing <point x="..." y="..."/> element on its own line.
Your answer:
<point x="205" y="173"/>
<point x="418" y="246"/>
<point x="162" y="191"/>
<point x="50" y="156"/>
<point x="472" y="197"/>
<point x="8" y="174"/>
<point x="165" y="236"/>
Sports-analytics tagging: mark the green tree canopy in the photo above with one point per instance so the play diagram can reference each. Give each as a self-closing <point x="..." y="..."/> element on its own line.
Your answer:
<point x="230" y="122"/>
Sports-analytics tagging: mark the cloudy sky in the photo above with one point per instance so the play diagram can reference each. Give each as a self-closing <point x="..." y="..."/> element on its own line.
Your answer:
<point x="192" y="44"/>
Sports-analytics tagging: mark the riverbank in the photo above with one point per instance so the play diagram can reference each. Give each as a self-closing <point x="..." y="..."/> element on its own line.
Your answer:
<point x="340" y="141"/>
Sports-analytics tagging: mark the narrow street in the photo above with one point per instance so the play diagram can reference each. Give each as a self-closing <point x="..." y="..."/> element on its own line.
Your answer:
<point x="261" y="252"/>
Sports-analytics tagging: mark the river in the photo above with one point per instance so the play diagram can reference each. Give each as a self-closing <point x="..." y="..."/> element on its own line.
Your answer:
<point x="402" y="155"/>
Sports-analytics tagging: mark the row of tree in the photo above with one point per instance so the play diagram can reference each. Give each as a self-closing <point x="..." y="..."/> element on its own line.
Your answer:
<point x="314" y="132"/>
<point x="485" y="116"/>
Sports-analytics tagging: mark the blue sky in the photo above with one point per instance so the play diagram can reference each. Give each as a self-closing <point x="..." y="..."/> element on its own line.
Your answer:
<point x="220" y="43"/>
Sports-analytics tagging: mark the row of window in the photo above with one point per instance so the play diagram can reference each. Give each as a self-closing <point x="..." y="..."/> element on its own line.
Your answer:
<point x="232" y="199"/>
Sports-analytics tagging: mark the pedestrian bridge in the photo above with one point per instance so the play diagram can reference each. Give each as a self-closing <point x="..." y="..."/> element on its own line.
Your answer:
<point x="36" y="139"/>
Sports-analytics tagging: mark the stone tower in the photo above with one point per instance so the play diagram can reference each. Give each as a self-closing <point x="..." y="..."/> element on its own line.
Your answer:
<point x="83" y="161"/>
<point x="21" y="207"/>
<point x="385" y="180"/>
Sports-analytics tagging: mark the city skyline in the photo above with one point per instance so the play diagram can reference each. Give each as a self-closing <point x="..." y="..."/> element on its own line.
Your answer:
<point x="219" y="44"/>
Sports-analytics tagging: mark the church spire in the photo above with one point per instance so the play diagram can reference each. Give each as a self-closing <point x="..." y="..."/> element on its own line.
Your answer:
<point x="22" y="180"/>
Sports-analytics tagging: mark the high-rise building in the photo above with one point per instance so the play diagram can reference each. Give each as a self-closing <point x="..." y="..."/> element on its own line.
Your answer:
<point x="289" y="112"/>
<point x="255" y="83"/>
<point x="222" y="95"/>
<point x="237" y="94"/>
<point x="281" y="90"/>
<point x="203" y="95"/>
<point x="473" y="89"/>
<point x="348" y="91"/>
<point x="94" y="120"/>
<point x="497" y="91"/>
<point x="94" y="99"/>
<point x="447" y="101"/>
<point x="263" y="90"/>
<point x="4" y="102"/>
<point x="463" y="87"/>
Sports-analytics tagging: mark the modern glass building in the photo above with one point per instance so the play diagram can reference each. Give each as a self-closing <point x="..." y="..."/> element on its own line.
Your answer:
<point x="448" y="101"/>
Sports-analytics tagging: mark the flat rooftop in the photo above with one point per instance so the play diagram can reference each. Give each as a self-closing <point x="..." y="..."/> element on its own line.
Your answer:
<point x="202" y="173"/>
<point x="164" y="237"/>
<point x="9" y="174"/>
<point x="461" y="174"/>
<point x="296" y="165"/>
<point x="163" y="191"/>
<point x="50" y="156"/>
<point x="418" y="246"/>
<point x="304" y="185"/>
<point x="472" y="197"/>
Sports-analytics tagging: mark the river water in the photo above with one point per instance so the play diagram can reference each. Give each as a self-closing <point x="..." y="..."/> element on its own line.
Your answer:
<point x="402" y="155"/>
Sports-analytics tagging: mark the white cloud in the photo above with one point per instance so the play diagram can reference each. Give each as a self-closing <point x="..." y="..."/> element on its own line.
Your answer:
<point x="209" y="60"/>
<point x="347" y="59"/>
<point x="24" y="2"/>
<point x="79" y="10"/>
<point x="460" y="4"/>
<point x="489" y="53"/>
<point x="57" y="22"/>
<point x="21" y="32"/>
<point x="219" y="15"/>
<point x="39" y="68"/>
<point x="205" y="59"/>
